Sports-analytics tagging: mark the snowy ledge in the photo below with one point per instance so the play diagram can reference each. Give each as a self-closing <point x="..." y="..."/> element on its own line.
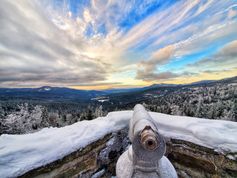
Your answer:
<point x="21" y="153"/>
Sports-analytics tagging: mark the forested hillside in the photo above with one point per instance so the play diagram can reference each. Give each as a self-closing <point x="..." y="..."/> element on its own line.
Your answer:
<point x="209" y="99"/>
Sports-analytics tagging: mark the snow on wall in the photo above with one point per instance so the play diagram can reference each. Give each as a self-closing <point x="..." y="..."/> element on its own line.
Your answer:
<point x="21" y="153"/>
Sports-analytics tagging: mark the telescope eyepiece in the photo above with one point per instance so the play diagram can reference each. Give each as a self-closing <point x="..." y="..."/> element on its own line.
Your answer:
<point x="149" y="139"/>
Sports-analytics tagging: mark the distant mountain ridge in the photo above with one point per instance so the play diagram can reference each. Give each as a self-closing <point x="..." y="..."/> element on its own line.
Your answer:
<point x="63" y="93"/>
<point x="49" y="93"/>
<point x="203" y="82"/>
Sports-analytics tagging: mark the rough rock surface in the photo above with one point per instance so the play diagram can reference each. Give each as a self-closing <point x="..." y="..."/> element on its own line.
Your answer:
<point x="191" y="160"/>
<point x="99" y="159"/>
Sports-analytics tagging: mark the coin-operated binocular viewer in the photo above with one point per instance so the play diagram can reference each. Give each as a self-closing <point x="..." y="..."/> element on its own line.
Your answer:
<point x="145" y="157"/>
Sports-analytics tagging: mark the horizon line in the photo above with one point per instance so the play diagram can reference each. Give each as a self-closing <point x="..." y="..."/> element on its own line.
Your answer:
<point x="94" y="87"/>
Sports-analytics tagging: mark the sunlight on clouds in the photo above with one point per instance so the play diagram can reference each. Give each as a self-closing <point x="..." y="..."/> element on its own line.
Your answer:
<point x="232" y="13"/>
<point x="203" y="76"/>
<point x="98" y="44"/>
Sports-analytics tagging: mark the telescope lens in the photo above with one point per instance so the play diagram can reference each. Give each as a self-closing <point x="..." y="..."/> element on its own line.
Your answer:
<point x="148" y="139"/>
<point x="150" y="143"/>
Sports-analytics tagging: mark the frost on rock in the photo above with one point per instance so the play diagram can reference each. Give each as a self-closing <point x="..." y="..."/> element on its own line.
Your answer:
<point x="114" y="147"/>
<point x="98" y="174"/>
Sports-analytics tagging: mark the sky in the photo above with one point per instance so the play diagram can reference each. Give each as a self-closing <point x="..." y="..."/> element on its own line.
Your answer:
<point x="100" y="44"/>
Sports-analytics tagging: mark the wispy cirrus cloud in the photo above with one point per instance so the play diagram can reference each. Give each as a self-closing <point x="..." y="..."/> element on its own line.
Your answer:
<point x="224" y="59"/>
<point x="147" y="69"/>
<point x="113" y="43"/>
<point x="222" y="62"/>
<point x="34" y="50"/>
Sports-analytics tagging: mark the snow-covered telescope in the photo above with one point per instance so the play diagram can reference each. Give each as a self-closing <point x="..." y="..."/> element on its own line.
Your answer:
<point x="145" y="157"/>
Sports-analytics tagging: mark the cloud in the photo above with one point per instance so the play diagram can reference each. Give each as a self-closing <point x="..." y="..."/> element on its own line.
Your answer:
<point x="226" y="56"/>
<point x="34" y="50"/>
<point x="196" y="35"/>
<point x="229" y="51"/>
<point x="212" y="35"/>
<point x="147" y="69"/>
<point x="184" y="25"/>
<point x="162" y="55"/>
<point x="93" y="42"/>
<point x="219" y="65"/>
<point x="156" y="76"/>
<point x="232" y="12"/>
<point x="223" y="61"/>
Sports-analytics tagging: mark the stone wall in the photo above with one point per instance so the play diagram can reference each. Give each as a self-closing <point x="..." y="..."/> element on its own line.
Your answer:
<point x="191" y="160"/>
<point x="99" y="159"/>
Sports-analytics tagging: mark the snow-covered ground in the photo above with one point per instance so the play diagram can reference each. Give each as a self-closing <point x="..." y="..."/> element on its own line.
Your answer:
<point x="21" y="153"/>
